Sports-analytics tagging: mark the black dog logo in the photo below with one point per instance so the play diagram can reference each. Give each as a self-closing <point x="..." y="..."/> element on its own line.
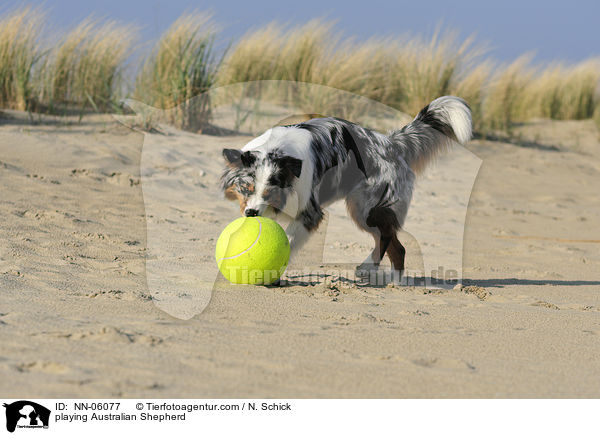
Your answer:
<point x="30" y="412"/>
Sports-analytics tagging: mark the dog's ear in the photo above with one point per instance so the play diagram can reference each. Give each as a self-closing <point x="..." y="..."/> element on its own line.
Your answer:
<point x="291" y="164"/>
<point x="238" y="159"/>
<point x="232" y="157"/>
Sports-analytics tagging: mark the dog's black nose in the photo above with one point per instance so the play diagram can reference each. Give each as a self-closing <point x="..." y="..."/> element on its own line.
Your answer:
<point x="251" y="212"/>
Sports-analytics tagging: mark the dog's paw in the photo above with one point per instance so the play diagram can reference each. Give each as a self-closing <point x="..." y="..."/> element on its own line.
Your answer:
<point x="368" y="264"/>
<point x="396" y="277"/>
<point x="365" y="270"/>
<point x="375" y="276"/>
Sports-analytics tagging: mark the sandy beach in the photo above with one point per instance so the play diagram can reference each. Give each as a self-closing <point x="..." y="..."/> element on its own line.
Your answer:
<point x="78" y="318"/>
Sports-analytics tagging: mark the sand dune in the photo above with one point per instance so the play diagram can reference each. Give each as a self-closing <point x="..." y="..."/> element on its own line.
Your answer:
<point x="79" y="316"/>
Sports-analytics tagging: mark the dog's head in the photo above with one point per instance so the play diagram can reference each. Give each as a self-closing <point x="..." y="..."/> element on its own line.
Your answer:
<point x="259" y="180"/>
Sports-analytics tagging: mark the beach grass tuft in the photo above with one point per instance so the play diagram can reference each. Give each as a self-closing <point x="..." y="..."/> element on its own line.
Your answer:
<point x="179" y="71"/>
<point x="85" y="68"/>
<point x="20" y="31"/>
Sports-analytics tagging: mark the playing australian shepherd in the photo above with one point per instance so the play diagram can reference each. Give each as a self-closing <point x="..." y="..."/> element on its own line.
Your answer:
<point x="300" y="169"/>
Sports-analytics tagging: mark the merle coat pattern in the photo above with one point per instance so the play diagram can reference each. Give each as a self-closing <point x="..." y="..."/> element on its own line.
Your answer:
<point x="300" y="169"/>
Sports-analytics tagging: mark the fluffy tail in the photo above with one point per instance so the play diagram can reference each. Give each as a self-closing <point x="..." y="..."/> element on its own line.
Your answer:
<point x="437" y="126"/>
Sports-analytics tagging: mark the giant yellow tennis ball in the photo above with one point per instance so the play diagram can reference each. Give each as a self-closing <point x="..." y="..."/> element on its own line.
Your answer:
<point x="252" y="250"/>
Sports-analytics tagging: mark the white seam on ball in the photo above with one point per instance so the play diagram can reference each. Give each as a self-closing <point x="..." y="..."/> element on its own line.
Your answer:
<point x="249" y="247"/>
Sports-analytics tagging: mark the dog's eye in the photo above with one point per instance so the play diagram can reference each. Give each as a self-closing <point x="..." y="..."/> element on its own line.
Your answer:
<point x="277" y="180"/>
<point x="245" y="189"/>
<point x="270" y="194"/>
<point x="275" y="197"/>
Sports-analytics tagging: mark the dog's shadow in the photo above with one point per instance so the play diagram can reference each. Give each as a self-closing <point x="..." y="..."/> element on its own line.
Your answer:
<point x="378" y="281"/>
<point x="503" y="282"/>
<point x="315" y="279"/>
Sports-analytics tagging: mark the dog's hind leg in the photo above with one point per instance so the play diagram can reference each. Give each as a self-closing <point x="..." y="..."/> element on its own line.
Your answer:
<point x="355" y="205"/>
<point x="383" y="224"/>
<point x="397" y="253"/>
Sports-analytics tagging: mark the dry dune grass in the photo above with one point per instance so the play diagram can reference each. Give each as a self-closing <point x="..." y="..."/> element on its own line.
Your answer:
<point x="85" y="68"/>
<point x="506" y="100"/>
<point x="567" y="92"/>
<point x="19" y="51"/>
<point x="302" y="49"/>
<point x="359" y="69"/>
<point x="406" y="73"/>
<point x="181" y="68"/>
<point x="255" y="57"/>
<point x="520" y="91"/>
<point x="430" y="69"/>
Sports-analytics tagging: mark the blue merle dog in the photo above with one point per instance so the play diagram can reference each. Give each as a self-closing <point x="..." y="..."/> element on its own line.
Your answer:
<point x="299" y="169"/>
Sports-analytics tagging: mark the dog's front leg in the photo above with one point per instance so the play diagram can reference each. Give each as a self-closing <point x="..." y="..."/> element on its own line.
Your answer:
<point x="297" y="234"/>
<point x="304" y="223"/>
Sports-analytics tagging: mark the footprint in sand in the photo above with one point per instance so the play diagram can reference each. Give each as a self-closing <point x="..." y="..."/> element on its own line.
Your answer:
<point x="444" y="364"/>
<point x="42" y="366"/>
<point x="4" y="165"/>
<point x="591" y="331"/>
<point x="122" y="179"/>
<point x="115" y="335"/>
<point x="42" y="178"/>
<point x="545" y="305"/>
<point x="481" y="293"/>
<point x="116" y="178"/>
